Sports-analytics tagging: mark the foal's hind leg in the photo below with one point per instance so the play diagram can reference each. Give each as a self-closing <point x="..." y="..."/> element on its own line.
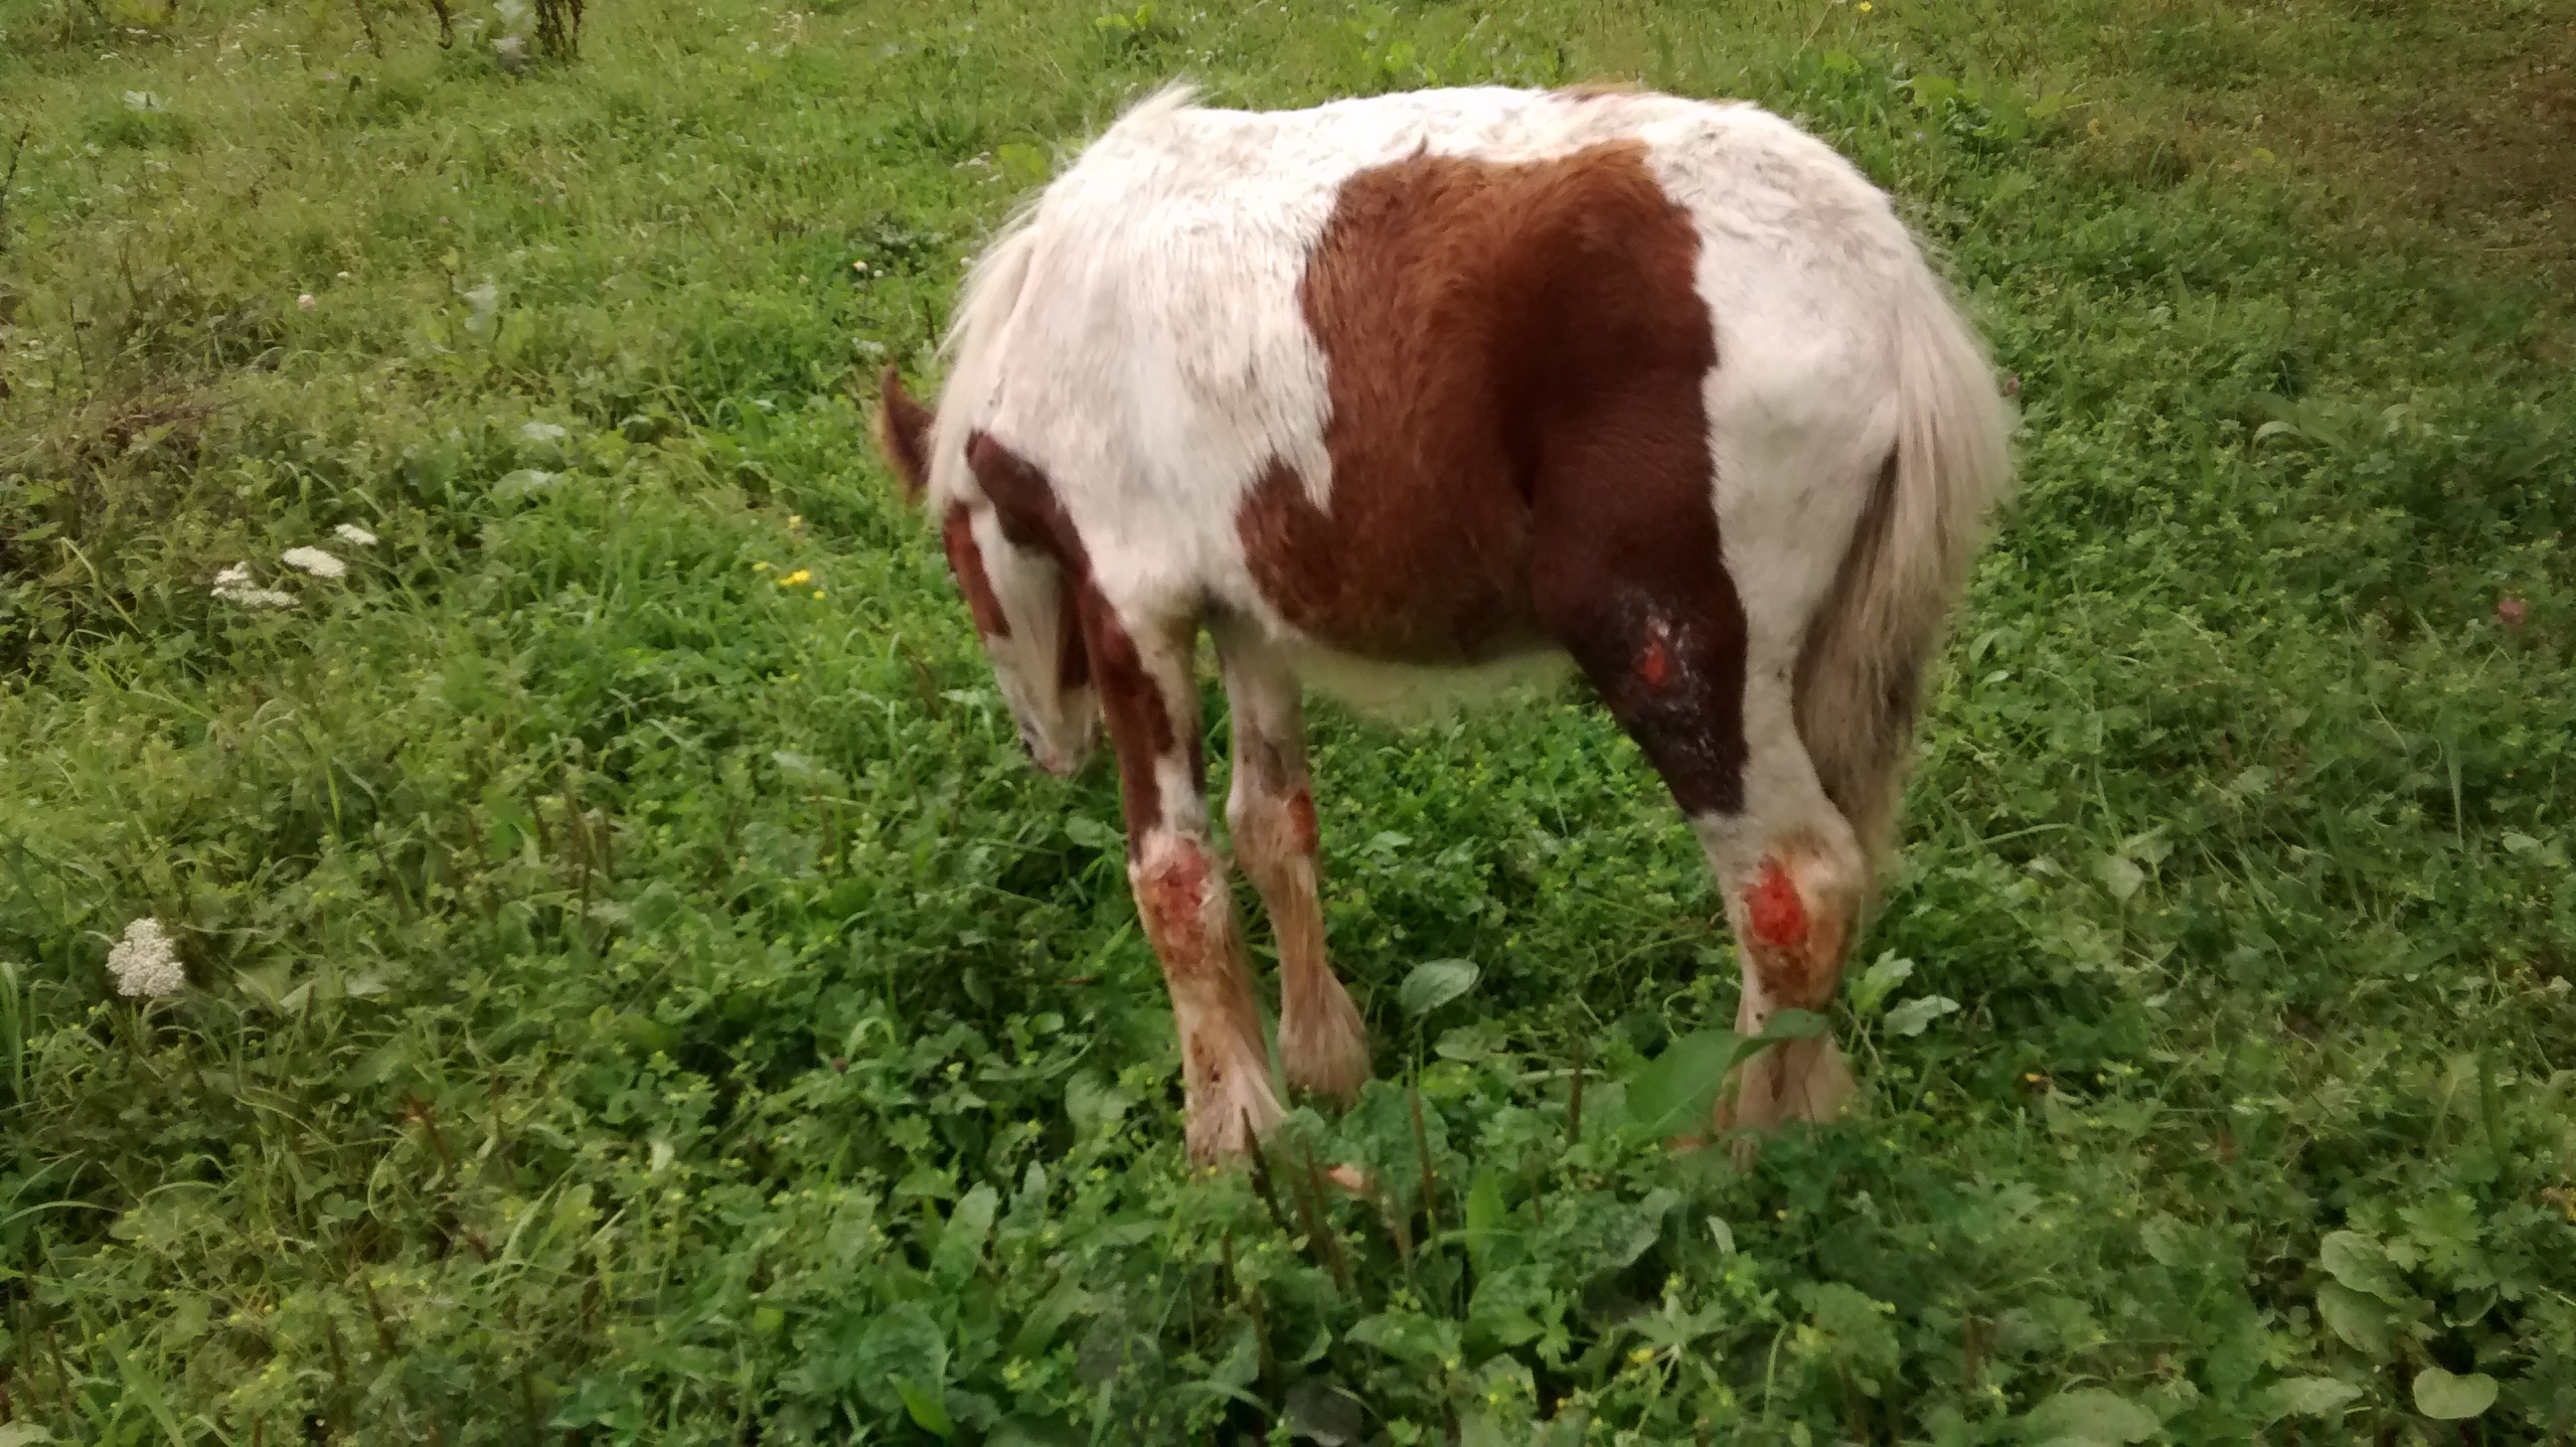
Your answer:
<point x="1150" y="701"/>
<point x="1628" y="574"/>
<point x="1323" y="1047"/>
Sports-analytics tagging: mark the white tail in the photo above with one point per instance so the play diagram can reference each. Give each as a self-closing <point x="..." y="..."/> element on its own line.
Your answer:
<point x="1860" y="675"/>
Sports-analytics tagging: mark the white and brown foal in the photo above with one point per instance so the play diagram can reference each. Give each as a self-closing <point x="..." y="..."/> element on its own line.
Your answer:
<point x="1396" y="392"/>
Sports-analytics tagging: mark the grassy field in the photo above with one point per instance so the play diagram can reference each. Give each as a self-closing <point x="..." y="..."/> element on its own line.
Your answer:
<point x="632" y="999"/>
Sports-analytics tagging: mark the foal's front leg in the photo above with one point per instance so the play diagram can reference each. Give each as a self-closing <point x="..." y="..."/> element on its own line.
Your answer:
<point x="1270" y="814"/>
<point x="1150" y="702"/>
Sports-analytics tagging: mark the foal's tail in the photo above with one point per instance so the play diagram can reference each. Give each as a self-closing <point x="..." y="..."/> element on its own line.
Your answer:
<point x="1860" y="674"/>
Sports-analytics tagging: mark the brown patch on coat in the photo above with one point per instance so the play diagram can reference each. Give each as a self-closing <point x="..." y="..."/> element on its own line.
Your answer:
<point x="966" y="561"/>
<point x="1032" y="517"/>
<point x="902" y="428"/>
<point x="1096" y="646"/>
<point x="1514" y="355"/>
<point x="1501" y="341"/>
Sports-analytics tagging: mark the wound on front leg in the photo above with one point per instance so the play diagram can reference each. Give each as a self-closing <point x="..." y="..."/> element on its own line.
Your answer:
<point x="1179" y="899"/>
<point x="1188" y="916"/>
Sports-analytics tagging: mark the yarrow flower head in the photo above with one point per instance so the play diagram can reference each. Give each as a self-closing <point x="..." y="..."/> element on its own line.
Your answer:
<point x="354" y="535"/>
<point x="313" y="560"/>
<point x="233" y="585"/>
<point x="145" y="964"/>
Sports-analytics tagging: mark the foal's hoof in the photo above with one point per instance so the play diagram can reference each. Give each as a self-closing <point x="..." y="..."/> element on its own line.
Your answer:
<point x="1323" y="1047"/>
<point x="1792" y="1082"/>
<point x="1227" y="1120"/>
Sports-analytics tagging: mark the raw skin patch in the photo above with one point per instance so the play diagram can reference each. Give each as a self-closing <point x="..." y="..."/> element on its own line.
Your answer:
<point x="1778" y="918"/>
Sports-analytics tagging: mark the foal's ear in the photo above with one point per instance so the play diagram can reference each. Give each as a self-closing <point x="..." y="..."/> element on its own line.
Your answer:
<point x="903" y="434"/>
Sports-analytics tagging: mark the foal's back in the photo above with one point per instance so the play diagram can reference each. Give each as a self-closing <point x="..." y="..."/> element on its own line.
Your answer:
<point x="1343" y="360"/>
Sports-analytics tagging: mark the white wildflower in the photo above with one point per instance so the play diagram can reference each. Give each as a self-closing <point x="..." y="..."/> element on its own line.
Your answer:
<point x="354" y="535"/>
<point x="233" y="585"/>
<point x="313" y="560"/>
<point x="145" y="965"/>
<point x="304" y="302"/>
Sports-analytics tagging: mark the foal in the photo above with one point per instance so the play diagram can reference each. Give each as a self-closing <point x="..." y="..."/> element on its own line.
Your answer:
<point x="1395" y="391"/>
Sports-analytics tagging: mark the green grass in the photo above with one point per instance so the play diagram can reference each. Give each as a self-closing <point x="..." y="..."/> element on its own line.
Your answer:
<point x="635" y="1000"/>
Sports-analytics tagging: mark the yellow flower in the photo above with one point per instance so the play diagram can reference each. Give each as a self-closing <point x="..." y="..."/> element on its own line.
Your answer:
<point x="794" y="578"/>
<point x="760" y="567"/>
<point x="818" y="592"/>
<point x="1863" y="7"/>
<point x="795" y="521"/>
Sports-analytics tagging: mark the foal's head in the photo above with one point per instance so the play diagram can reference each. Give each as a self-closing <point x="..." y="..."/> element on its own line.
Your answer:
<point x="1019" y="591"/>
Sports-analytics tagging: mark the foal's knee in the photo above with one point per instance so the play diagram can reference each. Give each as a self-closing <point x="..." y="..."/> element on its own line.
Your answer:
<point x="1272" y="828"/>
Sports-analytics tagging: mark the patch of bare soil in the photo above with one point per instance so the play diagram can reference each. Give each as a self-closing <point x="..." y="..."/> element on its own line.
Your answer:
<point x="2489" y="158"/>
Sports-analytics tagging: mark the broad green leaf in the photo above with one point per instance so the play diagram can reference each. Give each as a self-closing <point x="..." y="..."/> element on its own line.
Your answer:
<point x="2440" y="1395"/>
<point x="961" y="1245"/>
<point x="1790" y="1025"/>
<point x="903" y="1348"/>
<point x="2361" y="1263"/>
<point x="1242" y="1364"/>
<point x="1485" y="1217"/>
<point x="1408" y="1336"/>
<point x="1676" y="1090"/>
<point x="1505" y="1305"/>
<point x="927" y="1411"/>
<point x="1679" y="1086"/>
<point x="1090" y="833"/>
<point x="1879" y="981"/>
<point x="1435" y="984"/>
<point x="1914" y="1015"/>
<point x="2122" y="876"/>
<point x="2250" y="782"/>
<point x="2091" y="1415"/>
<point x="2360" y="1320"/>
<point x="2310" y="1396"/>
<point x="1322" y="1410"/>
<point x="1094" y="1107"/>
